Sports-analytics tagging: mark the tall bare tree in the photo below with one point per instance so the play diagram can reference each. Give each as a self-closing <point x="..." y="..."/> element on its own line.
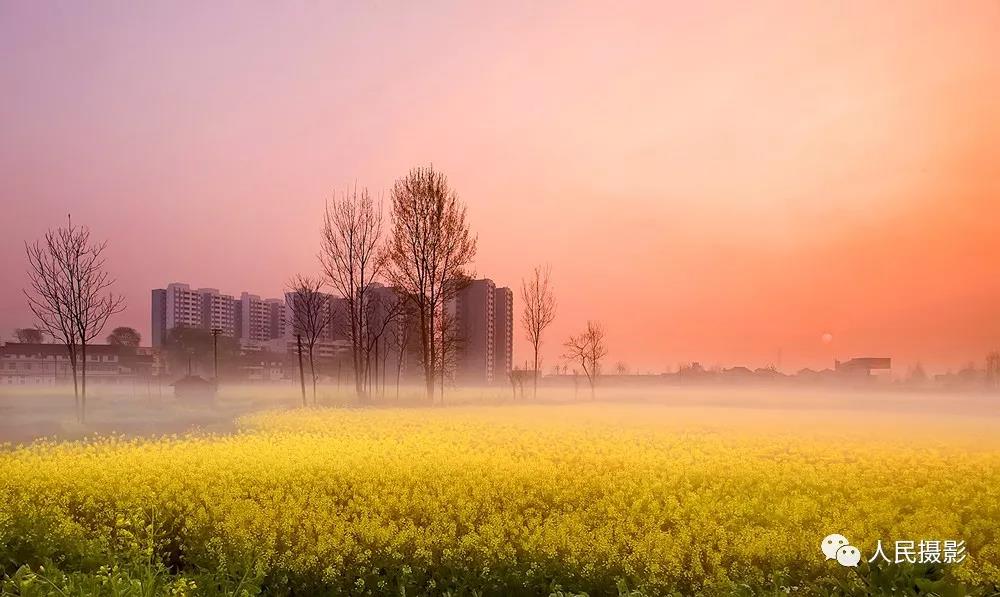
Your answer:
<point x="429" y="251"/>
<point x="311" y="316"/>
<point x="353" y="261"/>
<point x="538" y="312"/>
<point x="51" y="273"/>
<point x="588" y="349"/>
<point x="70" y="295"/>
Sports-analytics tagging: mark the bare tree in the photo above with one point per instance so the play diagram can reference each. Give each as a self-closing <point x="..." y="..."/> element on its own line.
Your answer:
<point x="311" y="316"/>
<point x="71" y="296"/>
<point x="621" y="368"/>
<point x="538" y="312"/>
<point x="381" y="312"/>
<point x="51" y="276"/>
<point x="302" y="370"/>
<point x="29" y="335"/>
<point x="429" y="251"/>
<point x="588" y="349"/>
<point x="353" y="261"/>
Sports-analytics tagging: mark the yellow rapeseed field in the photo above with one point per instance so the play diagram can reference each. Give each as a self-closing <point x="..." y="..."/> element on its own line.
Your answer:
<point x="511" y="500"/>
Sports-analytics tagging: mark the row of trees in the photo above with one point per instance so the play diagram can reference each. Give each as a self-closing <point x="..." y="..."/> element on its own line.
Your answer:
<point x="423" y="252"/>
<point x="538" y="311"/>
<point x="120" y="336"/>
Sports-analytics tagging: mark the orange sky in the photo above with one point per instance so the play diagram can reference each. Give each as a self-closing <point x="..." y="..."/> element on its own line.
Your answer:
<point x="713" y="181"/>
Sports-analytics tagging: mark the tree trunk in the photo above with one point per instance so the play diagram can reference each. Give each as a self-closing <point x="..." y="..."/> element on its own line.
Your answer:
<point x="76" y="384"/>
<point x="534" y="391"/>
<point x="424" y="344"/>
<point x="312" y="372"/>
<point x="399" y="373"/>
<point x="430" y="364"/>
<point x="360" y="371"/>
<point x="83" y="383"/>
<point x="375" y="371"/>
<point x="385" y="366"/>
<point x="302" y="373"/>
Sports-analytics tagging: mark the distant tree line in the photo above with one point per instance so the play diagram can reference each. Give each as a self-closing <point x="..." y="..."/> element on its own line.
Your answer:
<point x="423" y="252"/>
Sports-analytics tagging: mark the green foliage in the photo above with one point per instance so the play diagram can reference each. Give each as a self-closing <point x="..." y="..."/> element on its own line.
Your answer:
<point x="124" y="336"/>
<point x="904" y="580"/>
<point x="184" y="345"/>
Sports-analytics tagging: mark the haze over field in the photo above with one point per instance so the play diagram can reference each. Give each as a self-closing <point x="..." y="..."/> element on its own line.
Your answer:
<point x="150" y="410"/>
<point x="714" y="182"/>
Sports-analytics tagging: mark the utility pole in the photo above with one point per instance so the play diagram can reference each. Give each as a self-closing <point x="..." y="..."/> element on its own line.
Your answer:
<point x="302" y="373"/>
<point x="215" y="351"/>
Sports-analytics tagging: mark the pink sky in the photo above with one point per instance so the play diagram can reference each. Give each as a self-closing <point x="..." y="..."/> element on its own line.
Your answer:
<point x="713" y="181"/>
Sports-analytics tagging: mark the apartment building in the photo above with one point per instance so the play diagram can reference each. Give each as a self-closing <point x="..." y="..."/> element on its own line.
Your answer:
<point x="503" y="334"/>
<point x="480" y="320"/>
<point x="254" y="323"/>
<point x="250" y="319"/>
<point x="472" y="315"/>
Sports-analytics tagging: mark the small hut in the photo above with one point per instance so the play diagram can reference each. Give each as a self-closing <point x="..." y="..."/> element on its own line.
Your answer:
<point x="193" y="387"/>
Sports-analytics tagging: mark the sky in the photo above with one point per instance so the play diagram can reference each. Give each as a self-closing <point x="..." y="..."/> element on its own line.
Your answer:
<point x="731" y="183"/>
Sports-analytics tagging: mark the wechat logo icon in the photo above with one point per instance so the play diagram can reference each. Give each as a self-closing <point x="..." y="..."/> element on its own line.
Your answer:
<point x="837" y="547"/>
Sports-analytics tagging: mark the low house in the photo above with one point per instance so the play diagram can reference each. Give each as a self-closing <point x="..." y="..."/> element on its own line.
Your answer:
<point x="862" y="367"/>
<point x="49" y="364"/>
<point x="194" y="387"/>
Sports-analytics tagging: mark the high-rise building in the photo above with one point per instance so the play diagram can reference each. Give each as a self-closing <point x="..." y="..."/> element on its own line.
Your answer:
<point x="473" y="317"/>
<point x="332" y="341"/>
<point x="338" y="328"/>
<point x="184" y="307"/>
<point x="483" y="320"/>
<point x="503" y="334"/>
<point x="291" y="325"/>
<point x="218" y="311"/>
<point x="158" y="329"/>
<point x="277" y="318"/>
<point x="178" y="305"/>
<point x="255" y="319"/>
<point x="479" y="324"/>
